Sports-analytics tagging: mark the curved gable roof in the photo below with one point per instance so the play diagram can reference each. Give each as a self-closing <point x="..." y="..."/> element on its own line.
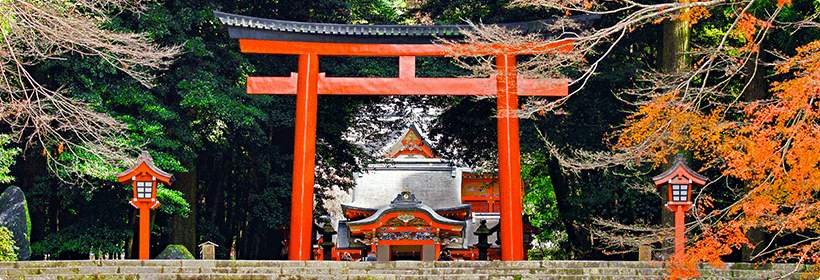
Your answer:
<point x="407" y="143"/>
<point x="407" y="202"/>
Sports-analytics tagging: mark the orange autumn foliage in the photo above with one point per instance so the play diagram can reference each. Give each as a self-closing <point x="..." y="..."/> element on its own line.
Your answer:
<point x="665" y="125"/>
<point x="692" y="15"/>
<point x="772" y="145"/>
<point x="747" y="28"/>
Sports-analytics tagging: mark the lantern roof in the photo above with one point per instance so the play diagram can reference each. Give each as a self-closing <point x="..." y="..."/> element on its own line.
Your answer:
<point x="145" y="164"/>
<point x="245" y="27"/>
<point x="680" y="168"/>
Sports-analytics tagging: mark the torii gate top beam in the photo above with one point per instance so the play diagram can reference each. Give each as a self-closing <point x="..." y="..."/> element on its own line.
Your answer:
<point x="258" y="35"/>
<point x="245" y="27"/>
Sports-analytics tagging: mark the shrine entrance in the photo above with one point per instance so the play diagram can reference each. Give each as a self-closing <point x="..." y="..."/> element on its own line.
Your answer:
<point x="406" y="228"/>
<point x="405" y="252"/>
<point x="426" y="252"/>
<point x="311" y="40"/>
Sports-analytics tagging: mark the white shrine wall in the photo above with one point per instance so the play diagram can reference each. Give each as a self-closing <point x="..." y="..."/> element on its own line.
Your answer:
<point x="435" y="183"/>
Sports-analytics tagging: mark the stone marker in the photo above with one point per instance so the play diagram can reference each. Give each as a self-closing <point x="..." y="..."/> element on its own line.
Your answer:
<point x="14" y="216"/>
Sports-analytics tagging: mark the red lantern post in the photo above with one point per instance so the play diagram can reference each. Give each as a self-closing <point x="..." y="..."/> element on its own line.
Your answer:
<point x="680" y="180"/>
<point x="144" y="177"/>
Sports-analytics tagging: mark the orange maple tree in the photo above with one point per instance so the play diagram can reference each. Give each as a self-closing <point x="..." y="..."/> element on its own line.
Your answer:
<point x="772" y="145"/>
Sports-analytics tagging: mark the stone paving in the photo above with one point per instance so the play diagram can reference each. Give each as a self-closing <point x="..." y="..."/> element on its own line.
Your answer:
<point x="399" y="270"/>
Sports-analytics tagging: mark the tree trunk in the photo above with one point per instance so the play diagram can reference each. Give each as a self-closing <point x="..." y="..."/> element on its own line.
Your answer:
<point x="129" y="243"/>
<point x="673" y="60"/>
<point x="755" y="77"/>
<point x="756" y="90"/>
<point x="675" y="45"/>
<point x="183" y="230"/>
<point x="566" y="214"/>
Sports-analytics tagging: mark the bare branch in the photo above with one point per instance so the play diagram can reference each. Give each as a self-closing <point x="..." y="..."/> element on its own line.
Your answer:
<point x="34" y="31"/>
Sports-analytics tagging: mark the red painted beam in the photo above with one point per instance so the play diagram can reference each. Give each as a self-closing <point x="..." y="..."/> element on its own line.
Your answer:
<point x="405" y="86"/>
<point x="509" y="160"/>
<point x="342" y="49"/>
<point x="304" y="159"/>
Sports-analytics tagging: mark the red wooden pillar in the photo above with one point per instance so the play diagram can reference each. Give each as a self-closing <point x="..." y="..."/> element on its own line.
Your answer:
<point x="509" y="160"/>
<point x="304" y="158"/>
<point x="145" y="232"/>
<point x="680" y="230"/>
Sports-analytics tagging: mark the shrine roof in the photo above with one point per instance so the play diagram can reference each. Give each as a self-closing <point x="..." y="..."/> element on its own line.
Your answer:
<point x="411" y="133"/>
<point x="405" y="202"/>
<point x="246" y="27"/>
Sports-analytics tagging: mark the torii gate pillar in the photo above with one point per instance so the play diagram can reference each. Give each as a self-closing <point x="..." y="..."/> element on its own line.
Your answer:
<point x="304" y="158"/>
<point x="509" y="159"/>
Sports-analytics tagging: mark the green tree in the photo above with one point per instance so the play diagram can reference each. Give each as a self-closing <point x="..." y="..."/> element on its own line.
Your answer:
<point x="7" y="247"/>
<point x="6" y="159"/>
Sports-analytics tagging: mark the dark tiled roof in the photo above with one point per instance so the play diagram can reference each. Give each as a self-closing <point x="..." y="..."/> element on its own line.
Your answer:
<point x="245" y="27"/>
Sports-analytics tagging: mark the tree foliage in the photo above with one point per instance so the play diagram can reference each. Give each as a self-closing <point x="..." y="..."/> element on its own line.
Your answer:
<point x="44" y="117"/>
<point x="7" y="248"/>
<point x="6" y="159"/>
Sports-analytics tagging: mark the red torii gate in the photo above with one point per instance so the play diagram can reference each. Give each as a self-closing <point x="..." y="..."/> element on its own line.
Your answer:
<point x="309" y="41"/>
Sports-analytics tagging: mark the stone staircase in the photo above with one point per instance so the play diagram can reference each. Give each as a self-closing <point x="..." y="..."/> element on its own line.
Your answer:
<point x="399" y="270"/>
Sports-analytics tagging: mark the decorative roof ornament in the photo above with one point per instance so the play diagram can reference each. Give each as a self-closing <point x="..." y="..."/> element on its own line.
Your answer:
<point x="405" y="199"/>
<point x="153" y="170"/>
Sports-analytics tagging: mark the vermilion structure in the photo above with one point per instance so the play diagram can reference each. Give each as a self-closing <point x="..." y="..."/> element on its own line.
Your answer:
<point x="311" y="40"/>
<point x="679" y="179"/>
<point x="144" y="176"/>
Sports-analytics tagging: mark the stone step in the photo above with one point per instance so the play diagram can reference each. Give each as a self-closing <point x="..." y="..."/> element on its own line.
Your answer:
<point x="228" y="276"/>
<point x="86" y="270"/>
<point x="197" y="269"/>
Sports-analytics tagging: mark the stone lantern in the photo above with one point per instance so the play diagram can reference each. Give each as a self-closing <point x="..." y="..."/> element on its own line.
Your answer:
<point x="144" y="177"/>
<point x="679" y="181"/>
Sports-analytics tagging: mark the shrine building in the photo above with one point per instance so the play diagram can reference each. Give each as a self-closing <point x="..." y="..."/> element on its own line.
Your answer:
<point x="412" y="204"/>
